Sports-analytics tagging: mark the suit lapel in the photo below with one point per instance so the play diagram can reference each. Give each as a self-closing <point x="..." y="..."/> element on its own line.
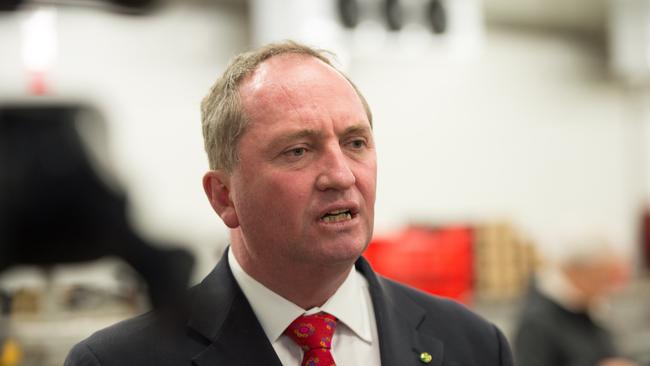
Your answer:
<point x="224" y="317"/>
<point x="398" y="320"/>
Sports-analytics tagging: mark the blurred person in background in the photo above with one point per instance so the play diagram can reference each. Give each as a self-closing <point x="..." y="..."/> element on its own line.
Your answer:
<point x="293" y="174"/>
<point x="559" y="323"/>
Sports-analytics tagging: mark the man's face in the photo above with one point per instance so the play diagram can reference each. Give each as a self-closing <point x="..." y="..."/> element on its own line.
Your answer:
<point x="304" y="188"/>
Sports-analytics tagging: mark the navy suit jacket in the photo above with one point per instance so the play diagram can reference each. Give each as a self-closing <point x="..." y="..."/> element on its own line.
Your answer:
<point x="221" y="329"/>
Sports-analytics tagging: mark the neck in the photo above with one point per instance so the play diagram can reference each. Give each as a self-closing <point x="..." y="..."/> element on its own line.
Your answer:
<point x="294" y="282"/>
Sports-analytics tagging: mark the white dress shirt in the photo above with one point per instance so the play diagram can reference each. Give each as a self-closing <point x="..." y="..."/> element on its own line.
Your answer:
<point x="355" y="339"/>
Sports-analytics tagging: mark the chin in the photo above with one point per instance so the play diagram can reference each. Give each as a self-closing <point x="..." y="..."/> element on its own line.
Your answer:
<point x="345" y="252"/>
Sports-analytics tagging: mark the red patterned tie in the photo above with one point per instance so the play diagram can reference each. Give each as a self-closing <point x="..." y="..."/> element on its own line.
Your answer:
<point x="313" y="333"/>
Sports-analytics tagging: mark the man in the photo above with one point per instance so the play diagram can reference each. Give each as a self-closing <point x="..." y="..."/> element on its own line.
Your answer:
<point x="290" y="144"/>
<point x="557" y="326"/>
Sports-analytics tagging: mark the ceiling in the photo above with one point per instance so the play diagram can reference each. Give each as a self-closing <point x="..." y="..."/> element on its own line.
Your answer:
<point x="587" y="16"/>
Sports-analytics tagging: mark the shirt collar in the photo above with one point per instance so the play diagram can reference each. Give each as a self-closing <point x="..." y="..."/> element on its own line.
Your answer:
<point x="275" y="313"/>
<point x="350" y="307"/>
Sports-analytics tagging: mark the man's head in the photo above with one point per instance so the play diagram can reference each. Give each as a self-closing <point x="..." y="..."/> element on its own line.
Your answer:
<point x="222" y="115"/>
<point x="598" y="275"/>
<point x="296" y="178"/>
<point x="590" y="264"/>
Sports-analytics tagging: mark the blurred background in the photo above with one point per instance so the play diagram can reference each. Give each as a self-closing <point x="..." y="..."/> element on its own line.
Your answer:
<point x="505" y="131"/>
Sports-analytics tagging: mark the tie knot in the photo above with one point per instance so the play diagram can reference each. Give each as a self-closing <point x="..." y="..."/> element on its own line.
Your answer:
<point x="312" y="331"/>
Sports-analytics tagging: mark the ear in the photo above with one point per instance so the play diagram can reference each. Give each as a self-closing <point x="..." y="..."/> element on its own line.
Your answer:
<point x="216" y="184"/>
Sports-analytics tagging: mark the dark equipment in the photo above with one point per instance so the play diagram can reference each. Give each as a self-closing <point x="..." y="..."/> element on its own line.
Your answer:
<point x="437" y="16"/>
<point x="394" y="15"/>
<point x="135" y="7"/>
<point x="55" y="208"/>
<point x="349" y="12"/>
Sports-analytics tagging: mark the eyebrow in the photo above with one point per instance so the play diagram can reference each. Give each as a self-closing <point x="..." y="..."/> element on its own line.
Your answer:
<point x="315" y="134"/>
<point x="357" y="129"/>
<point x="297" y="135"/>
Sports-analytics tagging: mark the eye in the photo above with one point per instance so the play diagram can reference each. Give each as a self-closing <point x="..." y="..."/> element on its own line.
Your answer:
<point x="358" y="144"/>
<point x="296" y="152"/>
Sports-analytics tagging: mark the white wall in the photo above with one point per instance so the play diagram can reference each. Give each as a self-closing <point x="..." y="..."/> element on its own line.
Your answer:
<point x="532" y="131"/>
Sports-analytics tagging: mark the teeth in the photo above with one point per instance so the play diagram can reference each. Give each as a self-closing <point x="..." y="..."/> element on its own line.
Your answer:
<point x="336" y="212"/>
<point x="341" y="216"/>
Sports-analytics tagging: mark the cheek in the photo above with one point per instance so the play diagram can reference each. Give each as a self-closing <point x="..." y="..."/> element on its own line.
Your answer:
<point x="289" y="186"/>
<point x="367" y="183"/>
<point x="276" y="195"/>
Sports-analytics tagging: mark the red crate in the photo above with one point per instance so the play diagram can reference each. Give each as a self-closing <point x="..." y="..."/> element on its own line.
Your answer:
<point x="438" y="261"/>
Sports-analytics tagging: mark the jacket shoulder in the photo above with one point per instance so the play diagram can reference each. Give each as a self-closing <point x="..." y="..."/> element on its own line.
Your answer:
<point x="439" y="308"/>
<point x="121" y="340"/>
<point x="143" y="340"/>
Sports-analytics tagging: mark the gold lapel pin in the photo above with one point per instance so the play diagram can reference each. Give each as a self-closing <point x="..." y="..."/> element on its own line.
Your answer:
<point x="425" y="357"/>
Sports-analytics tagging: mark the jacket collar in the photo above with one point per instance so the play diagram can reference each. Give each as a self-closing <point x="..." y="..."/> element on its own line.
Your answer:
<point x="222" y="315"/>
<point x="401" y="342"/>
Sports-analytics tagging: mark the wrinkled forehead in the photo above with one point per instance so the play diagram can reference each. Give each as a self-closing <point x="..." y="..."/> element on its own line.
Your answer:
<point x="290" y="81"/>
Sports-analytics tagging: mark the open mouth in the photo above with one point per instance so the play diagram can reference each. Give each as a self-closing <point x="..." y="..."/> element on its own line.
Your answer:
<point x="337" y="216"/>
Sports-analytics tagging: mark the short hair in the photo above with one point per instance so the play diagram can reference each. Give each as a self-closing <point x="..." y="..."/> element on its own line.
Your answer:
<point x="223" y="117"/>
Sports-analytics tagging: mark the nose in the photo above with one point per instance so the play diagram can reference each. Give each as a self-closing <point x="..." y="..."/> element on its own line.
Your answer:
<point x="336" y="173"/>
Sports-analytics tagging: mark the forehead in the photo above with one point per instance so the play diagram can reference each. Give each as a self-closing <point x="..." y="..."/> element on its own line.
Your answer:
<point x="298" y="86"/>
